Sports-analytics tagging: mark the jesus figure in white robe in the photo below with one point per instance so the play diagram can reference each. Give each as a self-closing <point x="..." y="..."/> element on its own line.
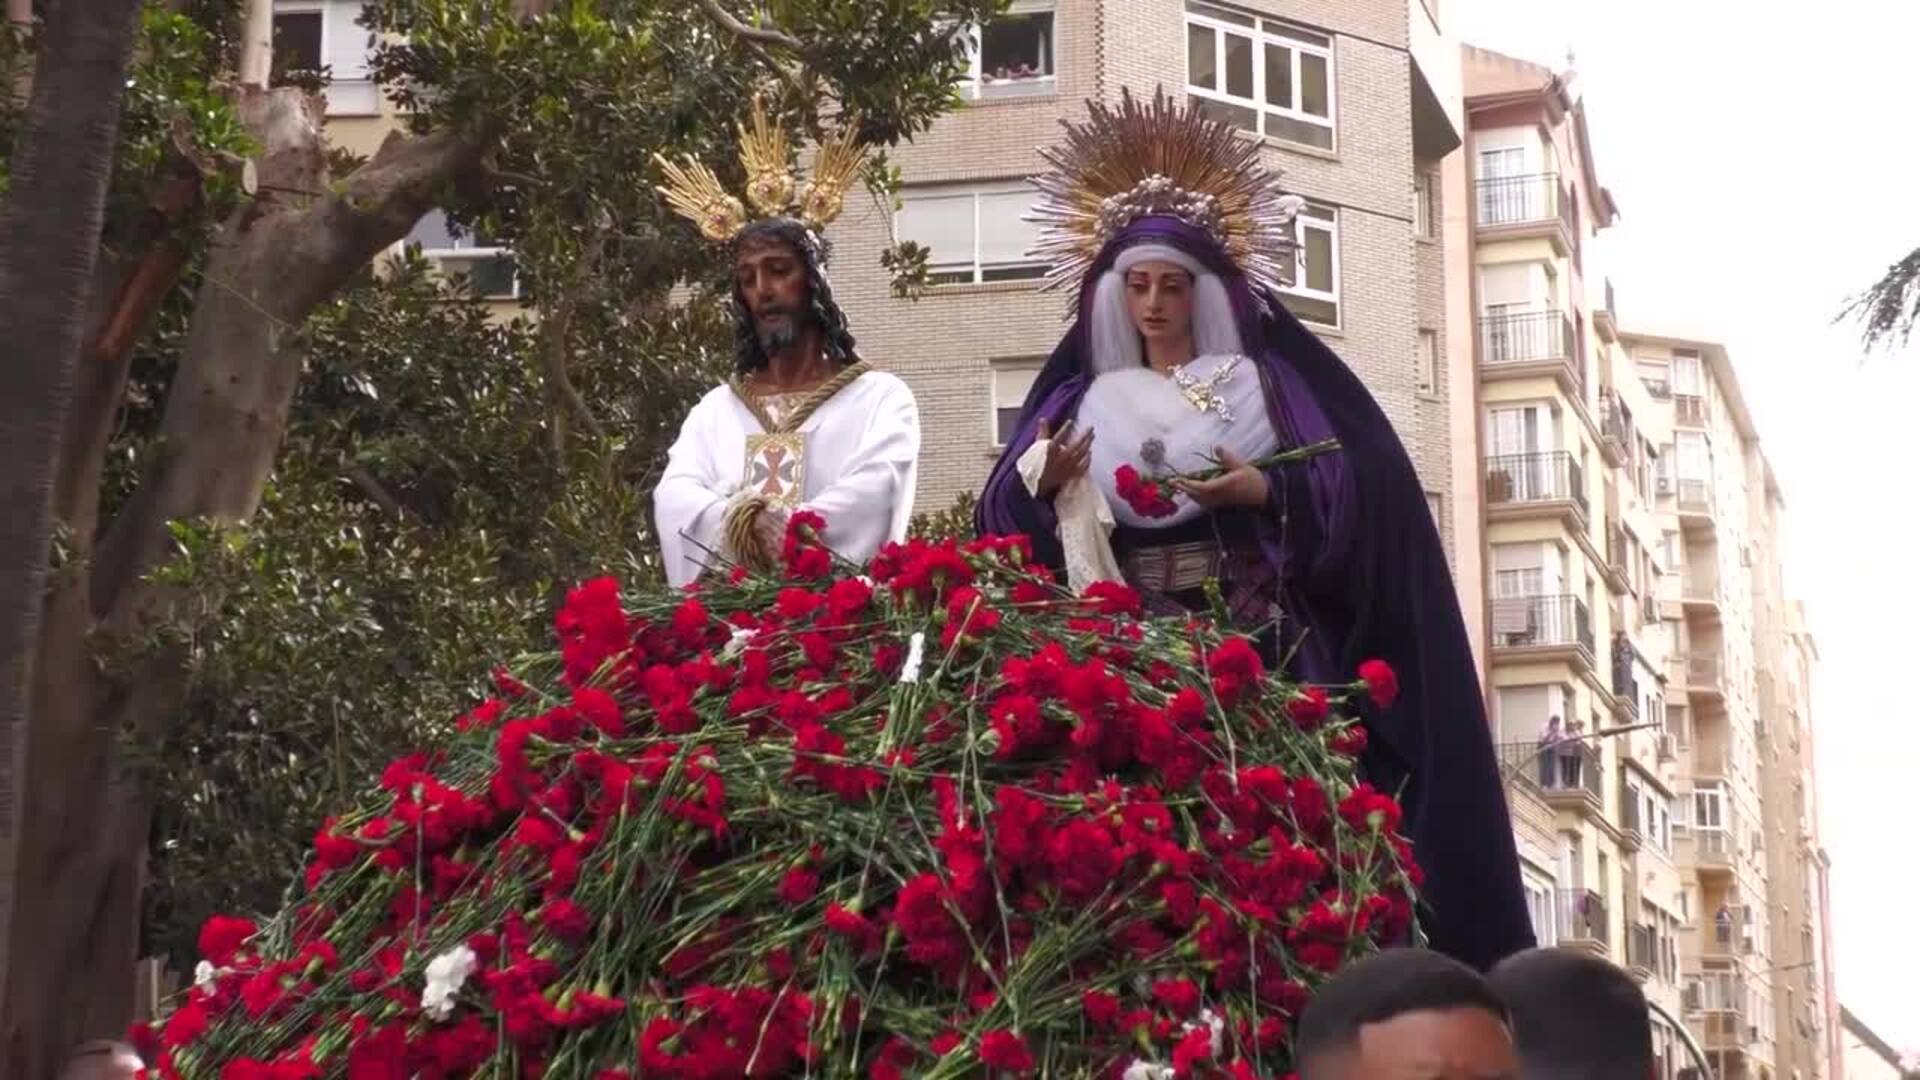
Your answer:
<point x="804" y="426"/>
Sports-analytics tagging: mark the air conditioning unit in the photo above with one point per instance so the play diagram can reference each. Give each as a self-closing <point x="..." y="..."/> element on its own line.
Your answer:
<point x="1649" y="609"/>
<point x="1666" y="748"/>
<point x="1663" y="484"/>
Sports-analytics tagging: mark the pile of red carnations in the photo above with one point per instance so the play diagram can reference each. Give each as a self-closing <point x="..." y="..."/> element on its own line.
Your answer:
<point x="940" y="820"/>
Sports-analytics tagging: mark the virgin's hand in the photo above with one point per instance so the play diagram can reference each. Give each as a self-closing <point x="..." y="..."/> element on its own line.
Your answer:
<point x="1240" y="485"/>
<point x="1067" y="457"/>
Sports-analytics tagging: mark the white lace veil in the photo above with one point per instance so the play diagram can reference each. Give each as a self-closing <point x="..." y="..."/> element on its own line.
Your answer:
<point x="1115" y="342"/>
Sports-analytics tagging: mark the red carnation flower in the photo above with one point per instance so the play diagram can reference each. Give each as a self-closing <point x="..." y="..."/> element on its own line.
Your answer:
<point x="1148" y="498"/>
<point x="1113" y="598"/>
<point x="567" y="920"/>
<point x="1178" y="996"/>
<point x="1310" y="709"/>
<point x="223" y="935"/>
<point x="1382" y="684"/>
<point x="798" y="885"/>
<point x="1002" y="1049"/>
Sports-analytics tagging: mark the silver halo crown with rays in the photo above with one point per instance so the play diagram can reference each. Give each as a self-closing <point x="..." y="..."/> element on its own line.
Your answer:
<point x="1143" y="159"/>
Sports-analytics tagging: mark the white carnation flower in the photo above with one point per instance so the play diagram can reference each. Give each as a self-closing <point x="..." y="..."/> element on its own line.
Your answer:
<point x="203" y="976"/>
<point x="916" y="647"/>
<point x="1147" y="1070"/>
<point x="446" y="974"/>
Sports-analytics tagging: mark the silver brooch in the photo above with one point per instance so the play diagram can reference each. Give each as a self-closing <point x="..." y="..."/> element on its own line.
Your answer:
<point x="1205" y="395"/>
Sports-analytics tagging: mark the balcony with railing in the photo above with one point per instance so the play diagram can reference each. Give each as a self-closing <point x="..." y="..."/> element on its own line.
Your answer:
<point x="1567" y="771"/>
<point x="1531" y="344"/>
<point x="1701" y="674"/>
<point x="1604" y="319"/>
<point x="1694" y="500"/>
<point x="1582" y="915"/>
<point x="1730" y="934"/>
<point x="1700" y="592"/>
<point x="1549" y="624"/>
<point x="1537" y="204"/>
<point x="1619" y="551"/>
<point x="1714" y="851"/>
<point x="1631" y="825"/>
<point x="1616" y="428"/>
<point x="1524" y="485"/>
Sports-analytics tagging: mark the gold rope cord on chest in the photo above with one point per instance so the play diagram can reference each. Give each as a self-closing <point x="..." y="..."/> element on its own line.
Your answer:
<point x="777" y="467"/>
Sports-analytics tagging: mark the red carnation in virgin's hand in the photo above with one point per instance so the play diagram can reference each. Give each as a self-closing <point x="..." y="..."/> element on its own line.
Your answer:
<point x="1002" y="1049"/>
<point x="1148" y="498"/>
<point x="1382" y="684"/>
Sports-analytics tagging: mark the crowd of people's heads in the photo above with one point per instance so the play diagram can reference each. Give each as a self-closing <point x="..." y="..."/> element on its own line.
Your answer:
<point x="1410" y="1014"/>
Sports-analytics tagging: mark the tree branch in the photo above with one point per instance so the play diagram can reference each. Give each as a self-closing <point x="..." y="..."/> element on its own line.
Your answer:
<point x="274" y="261"/>
<point x="370" y="486"/>
<point x="731" y="25"/>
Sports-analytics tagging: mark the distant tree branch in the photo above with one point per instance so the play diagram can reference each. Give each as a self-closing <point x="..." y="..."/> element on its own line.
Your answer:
<point x="1888" y="311"/>
<point x="370" y="486"/>
<point x="755" y="34"/>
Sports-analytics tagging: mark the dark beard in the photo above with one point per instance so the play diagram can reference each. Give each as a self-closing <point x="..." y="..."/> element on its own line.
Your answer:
<point x="777" y="331"/>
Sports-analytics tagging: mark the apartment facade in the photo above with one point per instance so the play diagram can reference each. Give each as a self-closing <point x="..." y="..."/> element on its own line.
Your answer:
<point x="1343" y="109"/>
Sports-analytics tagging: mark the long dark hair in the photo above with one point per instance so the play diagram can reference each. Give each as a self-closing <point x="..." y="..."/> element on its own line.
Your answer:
<point x="822" y="311"/>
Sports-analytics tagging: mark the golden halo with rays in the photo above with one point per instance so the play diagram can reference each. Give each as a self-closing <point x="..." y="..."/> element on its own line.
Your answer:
<point x="773" y="189"/>
<point x="1159" y="158"/>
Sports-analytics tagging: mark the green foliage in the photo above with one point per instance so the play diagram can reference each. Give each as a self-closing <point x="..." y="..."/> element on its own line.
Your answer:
<point x="425" y="512"/>
<point x="345" y="621"/>
<point x="955" y="520"/>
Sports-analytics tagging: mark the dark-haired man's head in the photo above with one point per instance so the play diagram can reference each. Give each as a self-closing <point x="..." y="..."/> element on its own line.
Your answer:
<point x="770" y="277"/>
<point x="1575" y="1017"/>
<point x="1406" y="1014"/>
<point x="781" y="295"/>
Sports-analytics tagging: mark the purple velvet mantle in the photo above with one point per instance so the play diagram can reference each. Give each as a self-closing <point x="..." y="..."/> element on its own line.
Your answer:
<point x="1363" y="573"/>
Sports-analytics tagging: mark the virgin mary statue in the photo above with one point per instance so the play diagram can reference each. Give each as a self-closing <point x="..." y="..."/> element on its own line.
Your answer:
<point x="1182" y="367"/>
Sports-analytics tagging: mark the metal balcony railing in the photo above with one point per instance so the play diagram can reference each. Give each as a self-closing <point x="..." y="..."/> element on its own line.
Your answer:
<point x="1703" y="669"/>
<point x="1549" y="476"/>
<point x="1525" y="337"/>
<point x="1616" y="423"/>
<point x="1696" y="496"/>
<point x="1583" y="914"/>
<point x="1524" y="200"/>
<point x="1521" y="622"/>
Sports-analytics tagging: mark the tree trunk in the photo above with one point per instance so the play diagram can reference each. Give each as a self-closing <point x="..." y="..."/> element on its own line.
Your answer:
<point x="49" y="234"/>
<point x="256" y="44"/>
<point x="85" y="825"/>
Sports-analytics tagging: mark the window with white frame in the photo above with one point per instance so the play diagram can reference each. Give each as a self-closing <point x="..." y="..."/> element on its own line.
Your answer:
<point x="1011" y="381"/>
<point x="1314" y="294"/>
<point x="1013" y="55"/>
<point x="488" y="268"/>
<point x="1693" y="455"/>
<point x="1426" y="209"/>
<point x="1426" y="362"/>
<point x="973" y="234"/>
<point x="1687" y="378"/>
<point x="311" y="36"/>
<point x="1261" y="75"/>
<point x="1540" y="906"/>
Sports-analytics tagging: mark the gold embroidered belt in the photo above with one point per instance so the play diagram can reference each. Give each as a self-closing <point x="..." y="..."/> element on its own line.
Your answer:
<point x="1173" y="568"/>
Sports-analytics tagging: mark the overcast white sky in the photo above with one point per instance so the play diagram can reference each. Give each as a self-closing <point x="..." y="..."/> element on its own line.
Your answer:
<point x="1766" y="170"/>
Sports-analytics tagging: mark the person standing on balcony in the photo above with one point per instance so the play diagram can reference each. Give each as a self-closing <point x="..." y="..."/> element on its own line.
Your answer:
<point x="1181" y="357"/>
<point x="1571" y="749"/>
<point x="804" y="425"/>
<point x="1550" y="738"/>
